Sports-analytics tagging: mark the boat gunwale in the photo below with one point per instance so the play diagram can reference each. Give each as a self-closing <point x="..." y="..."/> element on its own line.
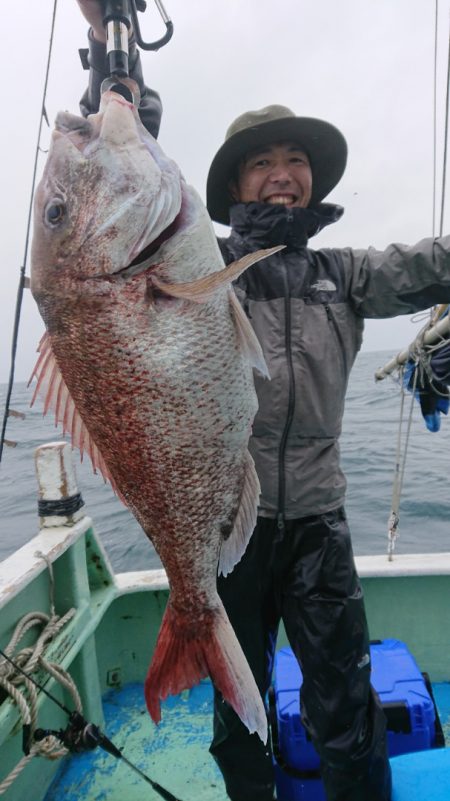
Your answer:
<point x="26" y="563"/>
<point x="404" y="565"/>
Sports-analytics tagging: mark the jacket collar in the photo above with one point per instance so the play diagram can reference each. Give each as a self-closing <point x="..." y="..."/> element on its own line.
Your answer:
<point x="265" y="224"/>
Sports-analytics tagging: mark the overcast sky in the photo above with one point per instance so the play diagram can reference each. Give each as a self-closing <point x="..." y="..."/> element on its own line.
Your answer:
<point x="364" y="65"/>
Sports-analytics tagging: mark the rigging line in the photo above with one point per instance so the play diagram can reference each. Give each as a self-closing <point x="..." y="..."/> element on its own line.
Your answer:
<point x="444" y="169"/>
<point x="400" y="463"/>
<point x="408" y="433"/>
<point x="21" y="286"/>
<point x="393" y="520"/>
<point x="436" y="15"/>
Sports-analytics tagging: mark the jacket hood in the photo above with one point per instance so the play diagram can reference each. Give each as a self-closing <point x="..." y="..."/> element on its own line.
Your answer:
<point x="264" y="224"/>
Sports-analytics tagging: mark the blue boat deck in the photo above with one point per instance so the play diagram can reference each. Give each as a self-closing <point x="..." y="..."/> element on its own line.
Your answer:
<point x="175" y="754"/>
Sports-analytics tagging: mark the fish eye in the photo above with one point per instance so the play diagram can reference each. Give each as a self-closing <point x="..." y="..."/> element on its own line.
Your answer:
<point x="55" y="213"/>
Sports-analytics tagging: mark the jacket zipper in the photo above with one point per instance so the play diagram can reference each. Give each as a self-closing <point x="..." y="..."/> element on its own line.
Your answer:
<point x="290" y="410"/>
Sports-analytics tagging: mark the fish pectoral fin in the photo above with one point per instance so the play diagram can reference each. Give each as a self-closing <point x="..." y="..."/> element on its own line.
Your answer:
<point x="204" y="288"/>
<point x="56" y="396"/>
<point x="233" y="548"/>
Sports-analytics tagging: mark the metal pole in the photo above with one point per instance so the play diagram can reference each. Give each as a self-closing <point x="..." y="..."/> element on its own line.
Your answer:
<point x="433" y="335"/>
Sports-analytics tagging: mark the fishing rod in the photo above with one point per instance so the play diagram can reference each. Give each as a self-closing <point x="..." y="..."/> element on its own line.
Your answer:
<point x="118" y="18"/>
<point x="79" y="735"/>
<point x="23" y="281"/>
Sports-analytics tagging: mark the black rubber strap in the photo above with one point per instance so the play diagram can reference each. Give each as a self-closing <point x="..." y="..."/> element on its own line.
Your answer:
<point x="64" y="507"/>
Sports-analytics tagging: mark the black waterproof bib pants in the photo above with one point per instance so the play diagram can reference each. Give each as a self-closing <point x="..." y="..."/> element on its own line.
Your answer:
<point x="305" y="576"/>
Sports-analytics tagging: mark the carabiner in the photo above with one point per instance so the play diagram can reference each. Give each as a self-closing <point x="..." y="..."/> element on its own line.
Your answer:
<point x="137" y="31"/>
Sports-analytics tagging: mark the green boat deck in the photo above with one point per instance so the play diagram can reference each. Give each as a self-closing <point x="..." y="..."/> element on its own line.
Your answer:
<point x="175" y="752"/>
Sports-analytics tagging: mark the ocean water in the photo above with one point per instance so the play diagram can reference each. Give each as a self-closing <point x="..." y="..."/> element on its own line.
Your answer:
<point x="368" y="450"/>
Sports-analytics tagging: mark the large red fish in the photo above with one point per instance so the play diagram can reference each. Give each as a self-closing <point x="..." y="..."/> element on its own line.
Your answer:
<point x="147" y="362"/>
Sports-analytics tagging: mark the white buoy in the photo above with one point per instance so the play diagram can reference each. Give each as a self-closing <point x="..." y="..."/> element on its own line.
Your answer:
<point x="60" y="502"/>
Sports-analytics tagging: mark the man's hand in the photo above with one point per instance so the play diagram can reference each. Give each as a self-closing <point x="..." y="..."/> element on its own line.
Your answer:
<point x="92" y="12"/>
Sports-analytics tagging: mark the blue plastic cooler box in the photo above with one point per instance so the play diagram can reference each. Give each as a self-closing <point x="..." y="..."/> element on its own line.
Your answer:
<point x="409" y="708"/>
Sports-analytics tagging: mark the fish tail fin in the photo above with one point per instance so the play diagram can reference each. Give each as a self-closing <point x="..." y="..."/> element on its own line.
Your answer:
<point x="183" y="657"/>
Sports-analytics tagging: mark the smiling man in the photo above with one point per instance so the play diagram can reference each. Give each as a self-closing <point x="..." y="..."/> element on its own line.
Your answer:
<point x="268" y="181"/>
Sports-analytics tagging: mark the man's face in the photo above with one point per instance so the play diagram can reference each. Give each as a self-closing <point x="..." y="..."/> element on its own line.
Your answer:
<point x="279" y="174"/>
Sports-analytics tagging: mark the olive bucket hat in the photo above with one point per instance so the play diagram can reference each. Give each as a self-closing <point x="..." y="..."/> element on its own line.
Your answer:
<point x="323" y="143"/>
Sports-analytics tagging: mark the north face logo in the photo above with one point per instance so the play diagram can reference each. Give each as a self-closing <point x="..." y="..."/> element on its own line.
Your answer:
<point x="324" y="286"/>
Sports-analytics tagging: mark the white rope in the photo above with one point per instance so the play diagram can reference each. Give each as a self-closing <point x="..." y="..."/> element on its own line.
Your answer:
<point x="400" y="465"/>
<point x="48" y="562"/>
<point x="29" y="660"/>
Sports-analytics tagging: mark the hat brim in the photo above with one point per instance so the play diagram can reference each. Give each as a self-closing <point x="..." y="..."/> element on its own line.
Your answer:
<point x="323" y="143"/>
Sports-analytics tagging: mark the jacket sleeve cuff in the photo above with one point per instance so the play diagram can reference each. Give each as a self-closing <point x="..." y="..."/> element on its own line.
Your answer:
<point x="150" y="107"/>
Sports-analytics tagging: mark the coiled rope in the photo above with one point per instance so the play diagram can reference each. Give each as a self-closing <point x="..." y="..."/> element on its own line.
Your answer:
<point x="23" y="691"/>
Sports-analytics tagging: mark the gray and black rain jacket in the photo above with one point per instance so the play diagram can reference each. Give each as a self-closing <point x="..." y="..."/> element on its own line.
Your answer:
<point x="307" y="308"/>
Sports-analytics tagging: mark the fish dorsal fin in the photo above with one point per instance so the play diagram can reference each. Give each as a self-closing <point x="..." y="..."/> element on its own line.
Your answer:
<point x="233" y="548"/>
<point x="247" y="337"/>
<point x="57" y="398"/>
<point x="203" y="289"/>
